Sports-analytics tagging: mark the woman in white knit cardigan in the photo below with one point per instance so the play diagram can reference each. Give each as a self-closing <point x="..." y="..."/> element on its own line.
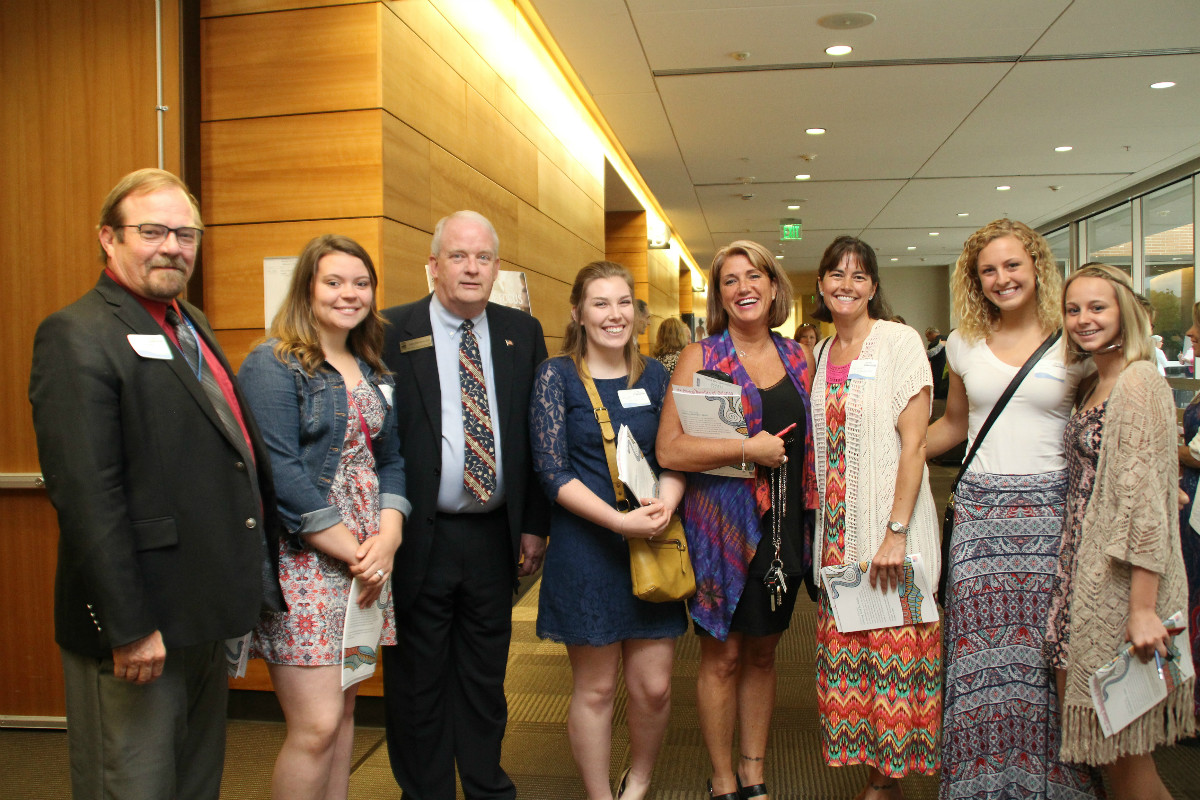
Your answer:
<point x="878" y="691"/>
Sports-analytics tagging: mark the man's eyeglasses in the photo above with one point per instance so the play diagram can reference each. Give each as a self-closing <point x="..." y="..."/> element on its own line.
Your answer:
<point x="153" y="233"/>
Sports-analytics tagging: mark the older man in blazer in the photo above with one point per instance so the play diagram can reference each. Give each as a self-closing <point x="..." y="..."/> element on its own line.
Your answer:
<point x="464" y="372"/>
<point x="168" y="534"/>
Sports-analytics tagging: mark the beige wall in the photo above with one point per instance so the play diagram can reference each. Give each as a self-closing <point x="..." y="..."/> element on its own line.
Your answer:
<point x="919" y="294"/>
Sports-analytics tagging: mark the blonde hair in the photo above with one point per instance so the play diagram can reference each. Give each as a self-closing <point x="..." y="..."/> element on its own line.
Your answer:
<point x="761" y="259"/>
<point x="574" y="344"/>
<point x="295" y="324"/>
<point x="672" y="337"/>
<point x="977" y="315"/>
<point x="1135" y="321"/>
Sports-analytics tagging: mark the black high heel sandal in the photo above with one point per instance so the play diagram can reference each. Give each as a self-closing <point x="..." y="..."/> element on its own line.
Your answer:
<point x="747" y="792"/>
<point x="729" y="796"/>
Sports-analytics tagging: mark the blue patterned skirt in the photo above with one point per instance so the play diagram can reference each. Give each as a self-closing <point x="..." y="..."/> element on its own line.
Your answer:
<point x="1000" y="733"/>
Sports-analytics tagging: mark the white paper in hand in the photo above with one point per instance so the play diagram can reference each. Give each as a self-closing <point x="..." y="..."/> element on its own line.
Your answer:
<point x="632" y="467"/>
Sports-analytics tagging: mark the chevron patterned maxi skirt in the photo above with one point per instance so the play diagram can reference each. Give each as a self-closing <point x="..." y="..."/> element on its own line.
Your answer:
<point x="879" y="692"/>
<point x="1001" y="733"/>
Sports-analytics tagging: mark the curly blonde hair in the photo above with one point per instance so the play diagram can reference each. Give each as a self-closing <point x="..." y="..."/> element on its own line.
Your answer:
<point x="977" y="315"/>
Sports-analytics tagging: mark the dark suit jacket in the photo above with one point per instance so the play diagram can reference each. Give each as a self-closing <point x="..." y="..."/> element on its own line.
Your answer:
<point x="518" y="347"/>
<point x="160" y="526"/>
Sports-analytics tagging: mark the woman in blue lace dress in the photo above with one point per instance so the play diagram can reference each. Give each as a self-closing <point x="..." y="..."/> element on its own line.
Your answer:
<point x="587" y="600"/>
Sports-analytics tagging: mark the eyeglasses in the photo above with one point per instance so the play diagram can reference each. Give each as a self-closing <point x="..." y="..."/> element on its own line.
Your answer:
<point x="153" y="233"/>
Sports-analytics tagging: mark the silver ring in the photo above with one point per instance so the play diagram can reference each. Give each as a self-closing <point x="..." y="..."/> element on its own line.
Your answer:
<point x="381" y="573"/>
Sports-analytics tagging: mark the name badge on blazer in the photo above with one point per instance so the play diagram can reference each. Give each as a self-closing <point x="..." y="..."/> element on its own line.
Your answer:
<point x="419" y="343"/>
<point x="151" y="345"/>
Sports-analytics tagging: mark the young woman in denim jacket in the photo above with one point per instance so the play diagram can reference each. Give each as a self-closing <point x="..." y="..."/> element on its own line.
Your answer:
<point x="323" y="399"/>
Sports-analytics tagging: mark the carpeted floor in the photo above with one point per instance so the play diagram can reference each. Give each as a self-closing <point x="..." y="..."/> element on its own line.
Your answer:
<point x="33" y="764"/>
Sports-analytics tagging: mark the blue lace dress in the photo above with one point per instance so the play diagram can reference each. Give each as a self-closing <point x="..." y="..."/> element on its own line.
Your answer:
<point x="586" y="594"/>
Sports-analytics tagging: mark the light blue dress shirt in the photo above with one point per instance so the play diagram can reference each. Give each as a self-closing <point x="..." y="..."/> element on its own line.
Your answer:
<point x="453" y="497"/>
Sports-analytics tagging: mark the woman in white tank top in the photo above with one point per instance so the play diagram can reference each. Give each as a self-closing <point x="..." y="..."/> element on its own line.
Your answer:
<point x="1001" y="726"/>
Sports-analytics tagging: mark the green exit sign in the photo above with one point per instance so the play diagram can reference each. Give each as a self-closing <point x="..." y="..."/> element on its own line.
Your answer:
<point x="789" y="230"/>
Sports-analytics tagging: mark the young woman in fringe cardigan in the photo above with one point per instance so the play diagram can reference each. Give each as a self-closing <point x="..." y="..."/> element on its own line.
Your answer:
<point x="1120" y="571"/>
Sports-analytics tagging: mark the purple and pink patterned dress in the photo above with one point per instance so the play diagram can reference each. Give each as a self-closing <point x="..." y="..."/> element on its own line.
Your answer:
<point x="317" y="586"/>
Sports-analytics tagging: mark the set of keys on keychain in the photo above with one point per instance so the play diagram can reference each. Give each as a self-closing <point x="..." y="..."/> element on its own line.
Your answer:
<point x="775" y="581"/>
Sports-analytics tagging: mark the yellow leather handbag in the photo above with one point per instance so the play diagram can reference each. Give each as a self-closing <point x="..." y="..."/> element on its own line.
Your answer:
<point x="660" y="568"/>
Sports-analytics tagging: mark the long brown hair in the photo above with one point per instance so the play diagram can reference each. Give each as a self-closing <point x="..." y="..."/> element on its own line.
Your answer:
<point x="574" y="343"/>
<point x="295" y="324"/>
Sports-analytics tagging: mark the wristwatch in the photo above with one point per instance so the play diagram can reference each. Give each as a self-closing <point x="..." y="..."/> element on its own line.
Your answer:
<point x="896" y="527"/>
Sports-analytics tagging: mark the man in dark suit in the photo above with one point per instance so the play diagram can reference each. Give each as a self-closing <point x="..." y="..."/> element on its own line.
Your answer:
<point x="168" y="535"/>
<point x="464" y="372"/>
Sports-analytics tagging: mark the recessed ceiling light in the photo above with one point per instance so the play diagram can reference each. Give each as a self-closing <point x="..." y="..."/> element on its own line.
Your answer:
<point x="779" y="258"/>
<point x="1162" y="85"/>
<point x="814" y="131"/>
<point x="839" y="50"/>
<point x="1003" y="188"/>
<point x="963" y="214"/>
<point x="912" y="247"/>
<point x="895" y="259"/>
<point x="935" y="233"/>
<point x="1063" y="148"/>
<point x="792" y="208"/>
<point x="803" y="177"/>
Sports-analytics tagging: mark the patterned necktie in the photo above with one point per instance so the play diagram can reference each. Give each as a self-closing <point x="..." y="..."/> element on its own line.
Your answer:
<point x="479" y="464"/>
<point x="212" y="390"/>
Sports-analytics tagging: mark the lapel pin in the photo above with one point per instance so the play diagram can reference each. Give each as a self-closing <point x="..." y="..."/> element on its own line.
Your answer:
<point x="508" y="342"/>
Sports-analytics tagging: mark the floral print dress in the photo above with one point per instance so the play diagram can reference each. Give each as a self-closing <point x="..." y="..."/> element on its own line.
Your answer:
<point x="317" y="586"/>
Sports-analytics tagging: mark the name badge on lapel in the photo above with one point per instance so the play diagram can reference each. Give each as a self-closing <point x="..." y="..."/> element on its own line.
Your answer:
<point x="419" y="343"/>
<point x="150" y="345"/>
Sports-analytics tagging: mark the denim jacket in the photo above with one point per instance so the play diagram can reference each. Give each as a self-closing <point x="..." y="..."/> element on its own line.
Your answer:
<point x="303" y="422"/>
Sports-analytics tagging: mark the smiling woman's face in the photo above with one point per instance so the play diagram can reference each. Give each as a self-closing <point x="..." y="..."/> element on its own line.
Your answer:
<point x="847" y="289"/>
<point x="746" y="291"/>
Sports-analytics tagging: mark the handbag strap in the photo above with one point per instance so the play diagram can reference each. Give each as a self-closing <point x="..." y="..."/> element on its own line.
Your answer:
<point x="1009" y="391"/>
<point x="607" y="434"/>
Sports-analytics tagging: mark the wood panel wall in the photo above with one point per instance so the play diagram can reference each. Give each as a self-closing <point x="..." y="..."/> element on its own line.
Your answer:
<point x="80" y="91"/>
<point x="375" y="119"/>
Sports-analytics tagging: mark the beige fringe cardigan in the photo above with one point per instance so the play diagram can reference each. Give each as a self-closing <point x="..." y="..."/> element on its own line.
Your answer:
<point x="1132" y="519"/>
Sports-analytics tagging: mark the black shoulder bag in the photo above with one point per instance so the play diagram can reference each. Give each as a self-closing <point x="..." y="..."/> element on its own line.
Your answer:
<point x="948" y="516"/>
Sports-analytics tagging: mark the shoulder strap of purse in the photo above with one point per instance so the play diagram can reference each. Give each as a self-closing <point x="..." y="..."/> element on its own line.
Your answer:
<point x="607" y="434"/>
<point x="821" y="352"/>
<point x="1009" y="391"/>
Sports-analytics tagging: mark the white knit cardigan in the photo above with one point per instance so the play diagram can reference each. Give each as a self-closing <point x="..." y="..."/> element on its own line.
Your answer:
<point x="873" y="448"/>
